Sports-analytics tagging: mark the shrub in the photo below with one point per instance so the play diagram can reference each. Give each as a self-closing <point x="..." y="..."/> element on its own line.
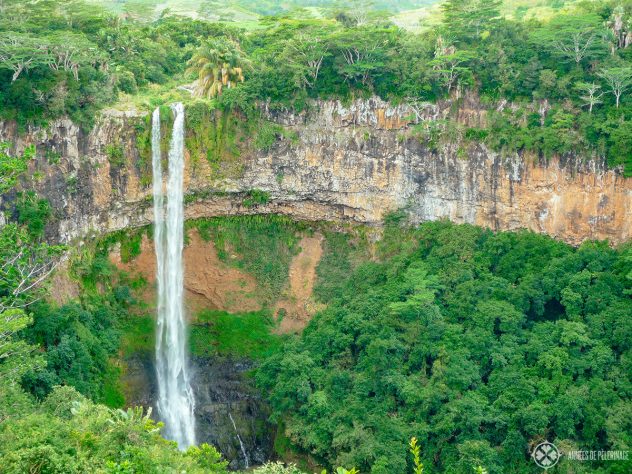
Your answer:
<point x="256" y="197"/>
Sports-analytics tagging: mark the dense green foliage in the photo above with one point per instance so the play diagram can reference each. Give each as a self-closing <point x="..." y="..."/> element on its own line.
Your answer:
<point x="78" y="339"/>
<point x="71" y="58"/>
<point x="78" y="343"/>
<point x="24" y="266"/>
<point x="479" y="344"/>
<point x="59" y="430"/>
<point x="66" y="433"/>
<point x="553" y="86"/>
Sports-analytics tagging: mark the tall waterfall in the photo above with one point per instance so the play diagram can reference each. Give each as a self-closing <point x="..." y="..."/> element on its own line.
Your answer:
<point x="175" y="397"/>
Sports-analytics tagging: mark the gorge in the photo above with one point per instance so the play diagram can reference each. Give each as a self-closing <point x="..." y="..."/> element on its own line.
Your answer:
<point x="349" y="165"/>
<point x="315" y="236"/>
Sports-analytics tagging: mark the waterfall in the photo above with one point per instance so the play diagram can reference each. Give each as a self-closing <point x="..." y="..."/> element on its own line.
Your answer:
<point x="241" y="443"/>
<point x="175" y="396"/>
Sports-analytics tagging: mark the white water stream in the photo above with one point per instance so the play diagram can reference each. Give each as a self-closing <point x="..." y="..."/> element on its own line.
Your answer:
<point x="175" y="397"/>
<point x="241" y="443"/>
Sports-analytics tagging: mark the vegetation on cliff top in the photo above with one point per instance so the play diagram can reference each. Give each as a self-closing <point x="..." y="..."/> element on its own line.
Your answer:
<point x="552" y="86"/>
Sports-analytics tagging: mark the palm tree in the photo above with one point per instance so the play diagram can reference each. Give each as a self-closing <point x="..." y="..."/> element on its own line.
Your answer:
<point x="218" y="63"/>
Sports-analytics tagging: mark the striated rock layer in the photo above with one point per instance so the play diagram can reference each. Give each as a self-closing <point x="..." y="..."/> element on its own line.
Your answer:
<point x="353" y="163"/>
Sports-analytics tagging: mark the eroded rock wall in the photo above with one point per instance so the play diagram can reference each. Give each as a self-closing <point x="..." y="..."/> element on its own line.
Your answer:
<point x="344" y="162"/>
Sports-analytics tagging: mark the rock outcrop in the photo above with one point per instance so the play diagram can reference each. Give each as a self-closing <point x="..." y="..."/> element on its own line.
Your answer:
<point x="353" y="163"/>
<point x="230" y="412"/>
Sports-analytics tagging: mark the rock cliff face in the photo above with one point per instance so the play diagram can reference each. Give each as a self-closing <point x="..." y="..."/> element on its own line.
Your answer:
<point x="230" y="413"/>
<point x="352" y="163"/>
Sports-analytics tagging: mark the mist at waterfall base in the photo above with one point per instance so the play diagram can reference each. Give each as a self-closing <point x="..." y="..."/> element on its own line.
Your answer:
<point x="175" y="403"/>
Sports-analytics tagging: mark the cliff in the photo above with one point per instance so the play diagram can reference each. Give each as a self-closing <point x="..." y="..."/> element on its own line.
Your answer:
<point x="348" y="163"/>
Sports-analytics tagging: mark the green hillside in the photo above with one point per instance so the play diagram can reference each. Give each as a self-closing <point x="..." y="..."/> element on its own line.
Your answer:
<point x="410" y="14"/>
<point x="246" y="10"/>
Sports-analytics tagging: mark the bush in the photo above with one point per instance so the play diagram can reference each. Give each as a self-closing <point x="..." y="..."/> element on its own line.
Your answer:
<point x="256" y="197"/>
<point x="267" y="136"/>
<point x="115" y="155"/>
<point x="33" y="212"/>
<point x="113" y="441"/>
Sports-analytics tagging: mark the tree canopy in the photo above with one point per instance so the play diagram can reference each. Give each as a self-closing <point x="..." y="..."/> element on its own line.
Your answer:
<point x="482" y="345"/>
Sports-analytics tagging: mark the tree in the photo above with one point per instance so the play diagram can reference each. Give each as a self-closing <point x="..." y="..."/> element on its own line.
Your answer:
<point x="620" y="145"/>
<point x="573" y="37"/>
<point x="361" y="53"/>
<point x="357" y="15"/>
<point x="477" y="342"/>
<point x="25" y="266"/>
<point x="16" y="356"/>
<point x="421" y="107"/>
<point x="356" y="12"/>
<point x="618" y="79"/>
<point x="51" y="437"/>
<point x="468" y="19"/>
<point x="591" y="94"/>
<point x="21" y="52"/>
<point x="218" y="63"/>
<point x="305" y="54"/>
<point x="23" y="269"/>
<point x="620" y="27"/>
<point x="450" y="69"/>
<point x="12" y="167"/>
<point x="69" y="52"/>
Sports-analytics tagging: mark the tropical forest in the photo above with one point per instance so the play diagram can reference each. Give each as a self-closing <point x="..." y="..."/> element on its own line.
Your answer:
<point x="316" y="236"/>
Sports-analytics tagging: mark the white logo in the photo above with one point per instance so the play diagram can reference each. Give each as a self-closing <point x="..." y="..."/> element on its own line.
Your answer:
<point x="546" y="455"/>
